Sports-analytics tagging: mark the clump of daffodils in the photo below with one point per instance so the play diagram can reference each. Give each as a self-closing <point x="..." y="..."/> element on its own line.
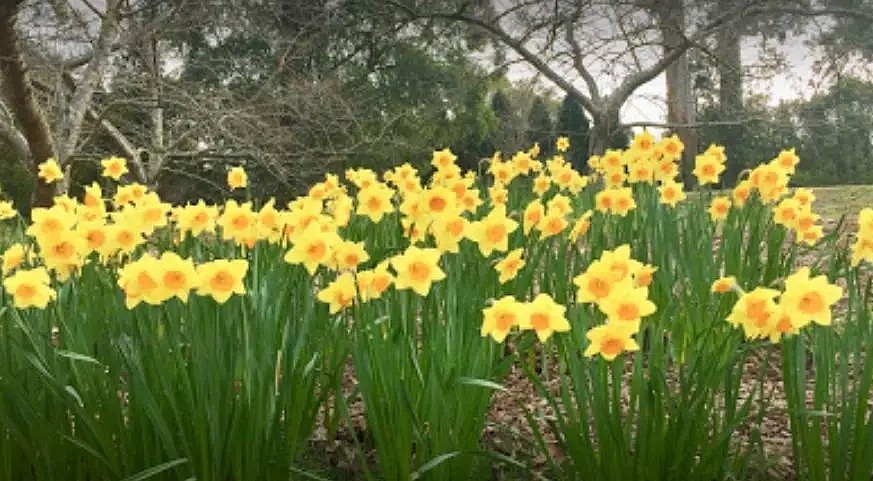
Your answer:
<point x="438" y="217"/>
<point x="765" y="313"/>
<point x="155" y="280"/>
<point x="542" y="315"/>
<point x="646" y="161"/>
<point x="619" y="286"/>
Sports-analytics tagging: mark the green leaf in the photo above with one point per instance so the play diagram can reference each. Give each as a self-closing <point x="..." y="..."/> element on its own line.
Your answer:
<point x="74" y="356"/>
<point x="72" y="391"/>
<point x="433" y="463"/>
<point x="481" y="383"/>
<point x="148" y="473"/>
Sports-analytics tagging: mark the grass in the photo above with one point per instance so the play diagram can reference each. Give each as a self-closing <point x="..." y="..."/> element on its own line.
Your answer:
<point x="836" y="201"/>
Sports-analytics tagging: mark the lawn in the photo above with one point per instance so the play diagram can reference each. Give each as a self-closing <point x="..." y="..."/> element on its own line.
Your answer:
<point x="836" y="201"/>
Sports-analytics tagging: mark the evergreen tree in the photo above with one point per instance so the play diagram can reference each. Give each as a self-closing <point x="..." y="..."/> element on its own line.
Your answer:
<point x="540" y="128"/>
<point x="573" y="124"/>
<point x="500" y="105"/>
<point x="621" y="139"/>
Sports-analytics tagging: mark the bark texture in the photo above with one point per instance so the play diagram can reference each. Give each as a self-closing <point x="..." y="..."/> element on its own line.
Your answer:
<point x="22" y="103"/>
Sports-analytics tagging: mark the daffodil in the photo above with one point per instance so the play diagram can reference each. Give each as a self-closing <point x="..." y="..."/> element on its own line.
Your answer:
<point x="508" y="267"/>
<point x="197" y="219"/>
<point x="787" y="212"/>
<point x="312" y="248"/>
<point x="581" y="226"/>
<point x="741" y="193"/>
<point x="724" y="284"/>
<point x="30" y="288"/>
<point x="596" y="283"/>
<point x="7" y="211"/>
<point x="610" y="340"/>
<point x="49" y="171"/>
<point x="449" y="231"/>
<point x="804" y="196"/>
<point x="443" y="159"/>
<point x="375" y="201"/>
<point x="787" y="160"/>
<point x="438" y="201"/>
<point x="222" y="278"/>
<point x="754" y="311"/>
<point x="141" y="282"/>
<point x="340" y="293"/>
<point x="643" y="141"/>
<point x="50" y="224"/>
<point x="541" y="184"/>
<point x="552" y="224"/>
<point x="417" y="269"/>
<point x="348" y="255"/>
<point x="809" y="299"/>
<point x="545" y="317"/>
<point x="114" y="167"/>
<point x="533" y="213"/>
<point x="672" y="147"/>
<point x="622" y="201"/>
<point x="672" y="193"/>
<point x="719" y="208"/>
<point x="178" y="276"/>
<point x="492" y="232"/>
<point x="629" y="304"/>
<point x="13" y="257"/>
<point x="374" y="282"/>
<point x="237" y="178"/>
<point x="707" y="169"/>
<point x="237" y="221"/>
<point x="500" y="317"/>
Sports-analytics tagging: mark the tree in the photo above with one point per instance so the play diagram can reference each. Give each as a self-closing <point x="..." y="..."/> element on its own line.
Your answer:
<point x="288" y="89"/>
<point x="539" y="126"/>
<point x="836" y="140"/>
<point x="617" y="38"/>
<point x="573" y="123"/>
<point x="512" y="104"/>
<point x="681" y="108"/>
<point x="26" y="120"/>
<point x="500" y="105"/>
<point x="552" y="36"/>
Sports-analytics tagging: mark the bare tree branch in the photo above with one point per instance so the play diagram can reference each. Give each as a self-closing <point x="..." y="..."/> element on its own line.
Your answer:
<point x="72" y="123"/>
<point x="579" y="60"/>
<point x="864" y="14"/>
<point x="496" y="31"/>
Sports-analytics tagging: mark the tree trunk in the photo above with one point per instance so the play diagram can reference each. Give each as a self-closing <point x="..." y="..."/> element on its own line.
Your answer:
<point x="603" y="126"/>
<point x="730" y="96"/>
<point x="22" y="103"/>
<point x="680" y="99"/>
